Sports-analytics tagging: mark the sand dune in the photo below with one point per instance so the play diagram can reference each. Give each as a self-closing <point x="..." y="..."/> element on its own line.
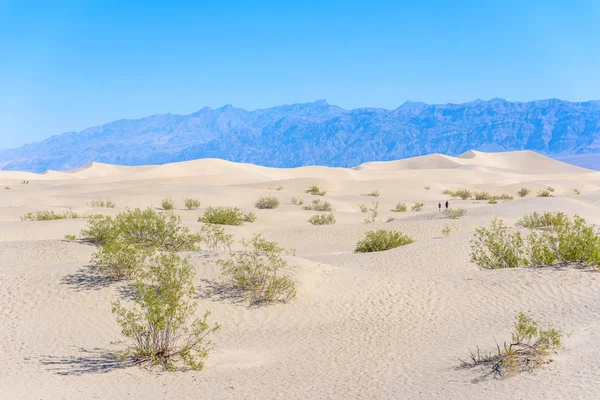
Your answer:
<point x="386" y="325"/>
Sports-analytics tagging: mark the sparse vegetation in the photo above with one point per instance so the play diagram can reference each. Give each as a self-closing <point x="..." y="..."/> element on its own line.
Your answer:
<point x="322" y="219"/>
<point x="315" y="191"/>
<point x="446" y="230"/>
<point x="400" y="207"/>
<point x="46" y="215"/>
<point x="120" y="260"/>
<point x="374" y="193"/>
<point x="455" y="213"/>
<point x="191" y="204"/>
<point x="6" y="187"/>
<point x="102" y="203"/>
<point x="381" y="240"/>
<point x="523" y="192"/>
<point x="544" y="193"/>
<point x="495" y="247"/>
<point x="374" y="213"/>
<point x="70" y="236"/>
<point x="482" y="196"/>
<point x="318" y="205"/>
<point x="297" y="202"/>
<point x="550" y="189"/>
<point x="363" y="208"/>
<point x="215" y="238"/>
<point x="167" y="204"/>
<point x="529" y="348"/>
<point x="249" y="217"/>
<point x="463" y="194"/>
<point x="161" y="327"/>
<point x="427" y="187"/>
<point x="256" y="272"/>
<point x="270" y="203"/>
<point x="225" y="216"/>
<point x="543" y="220"/>
<point x="493" y="201"/>
<point x="417" y="207"/>
<point x="576" y="191"/>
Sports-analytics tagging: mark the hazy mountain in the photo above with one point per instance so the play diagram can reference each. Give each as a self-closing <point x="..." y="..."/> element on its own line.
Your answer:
<point x="319" y="133"/>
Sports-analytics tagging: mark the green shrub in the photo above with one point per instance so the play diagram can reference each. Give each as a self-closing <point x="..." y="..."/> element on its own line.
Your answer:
<point x="102" y="203"/>
<point x="493" y="201"/>
<point x="529" y="348"/>
<point x="400" y="207"/>
<point x="257" y="272"/>
<point x="482" y="196"/>
<point x="381" y="240"/>
<point x="550" y="189"/>
<point x="427" y="187"/>
<point x="148" y="228"/>
<point x="463" y="194"/>
<point x="46" y="215"/>
<point x="270" y="203"/>
<point x="119" y="260"/>
<point x="318" y="205"/>
<point x="544" y="193"/>
<point x="161" y="327"/>
<point x="455" y="213"/>
<point x="191" y="204"/>
<point x="503" y="196"/>
<point x="6" y="187"/>
<point x="417" y="207"/>
<point x="70" y="236"/>
<point x="215" y="238"/>
<point x="576" y="191"/>
<point x="167" y="204"/>
<point x="223" y="216"/>
<point x="494" y="247"/>
<point x="543" y="221"/>
<point x="446" y="230"/>
<point x="374" y="193"/>
<point x="316" y="191"/>
<point x="249" y="217"/>
<point x="523" y="192"/>
<point x="374" y="213"/>
<point x="295" y="201"/>
<point x="322" y="219"/>
<point x="448" y="192"/>
<point x="363" y="208"/>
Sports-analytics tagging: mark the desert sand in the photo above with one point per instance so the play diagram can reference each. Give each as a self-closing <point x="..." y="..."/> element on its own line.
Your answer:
<point x="387" y="325"/>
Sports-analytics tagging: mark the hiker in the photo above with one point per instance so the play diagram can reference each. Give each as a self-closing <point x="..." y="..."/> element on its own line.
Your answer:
<point x="446" y="204"/>
<point x="439" y="206"/>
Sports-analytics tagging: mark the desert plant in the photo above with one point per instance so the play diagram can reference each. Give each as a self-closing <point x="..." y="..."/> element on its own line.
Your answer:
<point x="223" y="216"/>
<point x="493" y="201"/>
<point x="543" y="220"/>
<point x="278" y="188"/>
<point x="191" y="204"/>
<point x="544" y="193"/>
<point x="417" y="207"/>
<point x="158" y="326"/>
<point x="529" y="348"/>
<point x="215" y="238"/>
<point x="503" y="196"/>
<point x="455" y="213"/>
<point x="447" y="192"/>
<point x="374" y="213"/>
<point x="316" y="191"/>
<point x="102" y="203"/>
<point x="120" y="260"/>
<point x="550" y="189"/>
<point x="322" y="219"/>
<point x="363" y="208"/>
<point x="249" y="217"/>
<point x="391" y="219"/>
<point x="374" y="193"/>
<point x="70" y="236"/>
<point x="400" y="207"/>
<point x="297" y="202"/>
<point x="381" y="240"/>
<point x="256" y="272"/>
<point x="482" y="196"/>
<point x="147" y="228"/>
<point x="46" y="215"/>
<point x="427" y="187"/>
<point x="6" y="187"/>
<point x="494" y="247"/>
<point x="523" y="192"/>
<point x="576" y="191"/>
<point x="446" y="230"/>
<point x="167" y="204"/>
<point x="318" y="205"/>
<point x="463" y="194"/>
<point x="270" y="203"/>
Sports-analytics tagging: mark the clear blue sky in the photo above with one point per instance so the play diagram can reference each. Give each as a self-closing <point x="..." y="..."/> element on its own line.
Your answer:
<point x="69" y="65"/>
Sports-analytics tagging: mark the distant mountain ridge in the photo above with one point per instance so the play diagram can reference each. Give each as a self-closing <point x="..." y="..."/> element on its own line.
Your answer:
<point x="322" y="134"/>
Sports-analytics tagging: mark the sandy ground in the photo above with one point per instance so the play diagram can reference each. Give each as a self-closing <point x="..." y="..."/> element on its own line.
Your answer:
<point x="386" y="325"/>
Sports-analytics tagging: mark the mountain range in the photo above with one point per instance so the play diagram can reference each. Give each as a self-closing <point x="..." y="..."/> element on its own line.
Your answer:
<point x="322" y="134"/>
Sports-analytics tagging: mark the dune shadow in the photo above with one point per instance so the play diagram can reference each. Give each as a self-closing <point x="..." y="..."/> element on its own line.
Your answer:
<point x="87" y="278"/>
<point x="95" y="361"/>
<point x="220" y="291"/>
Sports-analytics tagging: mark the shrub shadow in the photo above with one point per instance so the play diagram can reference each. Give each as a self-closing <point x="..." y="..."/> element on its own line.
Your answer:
<point x="219" y="291"/>
<point x="95" y="361"/>
<point x="87" y="278"/>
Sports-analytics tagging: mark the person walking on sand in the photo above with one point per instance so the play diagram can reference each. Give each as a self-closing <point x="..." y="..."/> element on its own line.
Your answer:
<point x="446" y="204"/>
<point x="439" y="206"/>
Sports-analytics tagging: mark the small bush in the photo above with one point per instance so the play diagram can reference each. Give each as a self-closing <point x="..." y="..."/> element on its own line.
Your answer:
<point x="322" y="219"/>
<point x="270" y="203"/>
<point x="167" y="204"/>
<point x="70" y="236"/>
<point x="495" y="248"/>
<point x="576" y="191"/>
<point x="446" y="230"/>
<point x="543" y="221"/>
<point x="102" y="203"/>
<point x="448" y="192"/>
<point x="257" y="272"/>
<point x="374" y="193"/>
<point x="161" y="327"/>
<point x="417" y="207"/>
<point x="427" y="187"/>
<point x="463" y="194"/>
<point x="148" y="228"/>
<point x="249" y="217"/>
<point x="493" y="201"/>
<point x="529" y="348"/>
<point x="523" y="192"/>
<point x="544" y="193"/>
<point x="503" y="196"/>
<point x="400" y="207"/>
<point x="374" y="213"/>
<point x="223" y="216"/>
<point x="550" y="189"/>
<point x="6" y="187"/>
<point x="119" y="260"/>
<point x="278" y="188"/>
<point x="46" y="215"/>
<point x="215" y="238"/>
<point x="315" y="190"/>
<point x="191" y="204"/>
<point x="455" y="213"/>
<point x="482" y="196"/>
<point x="381" y="240"/>
<point x="363" y="208"/>
<point x="297" y="202"/>
<point x="318" y="205"/>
